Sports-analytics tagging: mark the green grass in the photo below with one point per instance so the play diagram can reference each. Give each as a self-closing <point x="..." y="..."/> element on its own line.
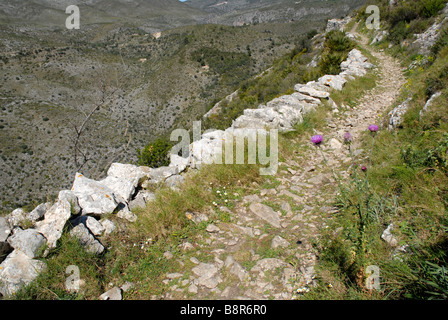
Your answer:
<point x="407" y="186"/>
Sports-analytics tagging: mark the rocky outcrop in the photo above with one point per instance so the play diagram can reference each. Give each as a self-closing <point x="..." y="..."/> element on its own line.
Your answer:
<point x="396" y="115"/>
<point x="337" y="24"/>
<point x="424" y="41"/>
<point x="17" y="271"/>
<point x="379" y="36"/>
<point x="356" y="65"/>
<point x="217" y="107"/>
<point x="79" y="210"/>
<point x="54" y="222"/>
<point x="429" y="103"/>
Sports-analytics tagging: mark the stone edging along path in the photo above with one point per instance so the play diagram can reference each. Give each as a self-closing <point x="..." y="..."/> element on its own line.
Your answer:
<point x="237" y="270"/>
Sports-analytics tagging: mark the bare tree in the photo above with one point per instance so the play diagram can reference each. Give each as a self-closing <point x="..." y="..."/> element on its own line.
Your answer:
<point x="108" y="91"/>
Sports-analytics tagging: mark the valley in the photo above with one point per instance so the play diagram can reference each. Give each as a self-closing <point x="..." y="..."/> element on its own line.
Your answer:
<point x="153" y="66"/>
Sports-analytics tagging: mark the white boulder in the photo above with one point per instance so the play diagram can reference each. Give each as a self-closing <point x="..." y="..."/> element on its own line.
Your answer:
<point x="93" y="197"/>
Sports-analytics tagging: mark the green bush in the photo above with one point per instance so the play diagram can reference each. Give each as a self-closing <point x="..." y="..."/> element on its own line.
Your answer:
<point x="336" y="48"/>
<point x="442" y="41"/>
<point x="155" y="154"/>
<point x="331" y="63"/>
<point x="337" y="41"/>
<point x="430" y="8"/>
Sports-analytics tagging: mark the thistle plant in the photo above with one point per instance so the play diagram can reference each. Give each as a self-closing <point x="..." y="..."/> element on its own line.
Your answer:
<point x="356" y="194"/>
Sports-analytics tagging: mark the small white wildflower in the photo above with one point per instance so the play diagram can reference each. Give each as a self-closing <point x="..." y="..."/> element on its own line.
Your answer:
<point x="217" y="191"/>
<point x="330" y="285"/>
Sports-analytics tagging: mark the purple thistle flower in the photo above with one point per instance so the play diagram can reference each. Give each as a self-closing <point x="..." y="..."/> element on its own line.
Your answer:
<point x="317" y="139"/>
<point x="363" y="168"/>
<point x="347" y="137"/>
<point x="373" y="128"/>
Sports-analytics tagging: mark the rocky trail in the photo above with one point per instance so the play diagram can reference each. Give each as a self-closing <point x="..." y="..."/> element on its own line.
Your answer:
<point x="264" y="249"/>
<point x="261" y="248"/>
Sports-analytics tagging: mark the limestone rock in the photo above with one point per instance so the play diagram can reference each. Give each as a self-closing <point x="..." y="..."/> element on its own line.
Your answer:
<point x="93" y="197"/>
<point x="17" y="271"/>
<point x="141" y="199"/>
<point x="268" y="264"/>
<point x="336" y="82"/>
<point x="427" y="39"/>
<point x="108" y="225"/>
<point x="236" y="269"/>
<point x="286" y="100"/>
<point x="125" y="213"/>
<point x="207" y="149"/>
<point x="123" y="179"/>
<point x="279" y="242"/>
<point x="161" y="174"/>
<point x="389" y="237"/>
<point x="181" y="163"/>
<point x="53" y="224"/>
<point x="313" y="92"/>
<point x="122" y="189"/>
<point x="136" y="175"/>
<point x="396" y="115"/>
<point x="303" y="97"/>
<point x="95" y="226"/>
<point x="337" y="24"/>
<point x="356" y="65"/>
<point x="112" y="294"/>
<point x="211" y="228"/>
<point x="335" y="144"/>
<point x="174" y="181"/>
<point x="72" y="198"/>
<point x="266" y="213"/>
<point x="285" y="206"/>
<point x="38" y="212"/>
<point x="16" y="217"/>
<point x="208" y="275"/>
<point x="5" y="230"/>
<point x="29" y="242"/>
<point x="379" y="36"/>
<point x="86" y="239"/>
<point x="429" y="103"/>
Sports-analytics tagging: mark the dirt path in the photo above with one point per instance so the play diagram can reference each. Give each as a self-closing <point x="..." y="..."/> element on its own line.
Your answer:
<point x="377" y="100"/>
<point x="264" y="249"/>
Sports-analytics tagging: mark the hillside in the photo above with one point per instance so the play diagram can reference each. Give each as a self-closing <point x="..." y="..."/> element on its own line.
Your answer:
<point x="355" y="208"/>
<point x="52" y="77"/>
